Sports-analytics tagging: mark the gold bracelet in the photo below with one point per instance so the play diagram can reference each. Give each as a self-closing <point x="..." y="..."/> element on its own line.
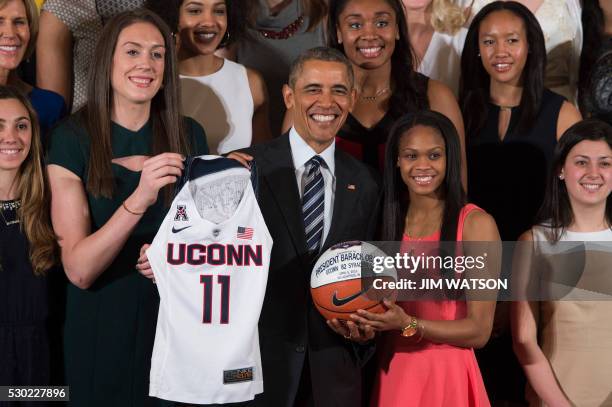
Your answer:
<point x="129" y="211"/>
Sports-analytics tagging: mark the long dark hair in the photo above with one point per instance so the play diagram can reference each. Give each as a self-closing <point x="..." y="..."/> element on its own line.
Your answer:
<point x="556" y="211"/>
<point x="593" y="33"/>
<point x="474" y="92"/>
<point x="395" y="193"/>
<point x="406" y="95"/>
<point x="168" y="131"/>
<point x="237" y="17"/>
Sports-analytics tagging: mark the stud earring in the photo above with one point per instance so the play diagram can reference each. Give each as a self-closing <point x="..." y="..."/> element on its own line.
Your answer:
<point x="561" y="176"/>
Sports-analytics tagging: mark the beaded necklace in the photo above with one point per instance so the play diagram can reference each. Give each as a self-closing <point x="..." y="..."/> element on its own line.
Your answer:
<point x="287" y="32"/>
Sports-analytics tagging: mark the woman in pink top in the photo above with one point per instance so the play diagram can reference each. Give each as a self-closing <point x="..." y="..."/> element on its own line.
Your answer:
<point x="426" y="353"/>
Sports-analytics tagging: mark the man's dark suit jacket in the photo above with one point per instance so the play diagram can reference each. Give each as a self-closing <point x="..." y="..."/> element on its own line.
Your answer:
<point x="290" y="327"/>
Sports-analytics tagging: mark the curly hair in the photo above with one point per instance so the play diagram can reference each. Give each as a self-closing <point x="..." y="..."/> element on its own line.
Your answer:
<point x="447" y="17"/>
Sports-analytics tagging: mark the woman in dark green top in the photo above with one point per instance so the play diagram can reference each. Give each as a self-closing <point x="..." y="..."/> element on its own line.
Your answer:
<point x="110" y="168"/>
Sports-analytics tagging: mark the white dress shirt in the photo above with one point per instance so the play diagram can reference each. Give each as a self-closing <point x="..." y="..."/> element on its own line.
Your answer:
<point x="301" y="154"/>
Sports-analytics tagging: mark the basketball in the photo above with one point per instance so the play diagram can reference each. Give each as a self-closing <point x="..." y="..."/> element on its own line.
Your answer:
<point x="341" y="279"/>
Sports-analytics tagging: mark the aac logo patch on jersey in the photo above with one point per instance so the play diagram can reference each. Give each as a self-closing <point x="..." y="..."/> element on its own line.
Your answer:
<point x="181" y="213"/>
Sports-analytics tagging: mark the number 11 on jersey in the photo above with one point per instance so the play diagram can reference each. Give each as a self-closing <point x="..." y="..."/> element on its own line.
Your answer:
<point x="207" y="281"/>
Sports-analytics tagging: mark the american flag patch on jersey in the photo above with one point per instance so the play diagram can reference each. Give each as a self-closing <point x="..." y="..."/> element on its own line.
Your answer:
<point x="244" y="233"/>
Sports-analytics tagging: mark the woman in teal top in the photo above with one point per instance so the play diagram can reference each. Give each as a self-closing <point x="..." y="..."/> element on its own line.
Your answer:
<point x="111" y="167"/>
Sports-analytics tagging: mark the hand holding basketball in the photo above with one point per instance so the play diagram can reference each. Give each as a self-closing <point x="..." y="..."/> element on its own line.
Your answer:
<point x="338" y="285"/>
<point x="351" y="331"/>
<point x="157" y="172"/>
<point x="393" y="319"/>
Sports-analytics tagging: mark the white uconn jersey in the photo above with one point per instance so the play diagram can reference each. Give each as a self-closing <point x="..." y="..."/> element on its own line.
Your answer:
<point x="210" y="259"/>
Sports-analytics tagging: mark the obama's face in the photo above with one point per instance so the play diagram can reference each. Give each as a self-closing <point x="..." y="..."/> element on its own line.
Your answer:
<point x="319" y="101"/>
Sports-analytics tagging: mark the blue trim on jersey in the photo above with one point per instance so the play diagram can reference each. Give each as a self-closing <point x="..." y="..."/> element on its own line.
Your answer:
<point x="196" y="168"/>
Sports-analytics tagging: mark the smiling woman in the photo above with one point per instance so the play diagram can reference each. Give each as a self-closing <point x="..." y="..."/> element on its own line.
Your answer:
<point x="509" y="113"/>
<point x="27" y="245"/>
<point x="229" y="100"/>
<point x="512" y="124"/>
<point x="18" y="31"/>
<point x="562" y="369"/>
<point x="425" y="355"/>
<point x="560" y="23"/>
<point x="133" y="83"/>
<point x="373" y="34"/>
<point x="107" y="166"/>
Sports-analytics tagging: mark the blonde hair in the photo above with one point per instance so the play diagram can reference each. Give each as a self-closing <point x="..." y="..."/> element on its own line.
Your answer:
<point x="32" y="16"/>
<point x="32" y="190"/>
<point x="447" y="17"/>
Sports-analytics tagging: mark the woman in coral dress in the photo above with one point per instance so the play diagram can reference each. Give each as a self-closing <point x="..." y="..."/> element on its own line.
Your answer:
<point x="426" y="355"/>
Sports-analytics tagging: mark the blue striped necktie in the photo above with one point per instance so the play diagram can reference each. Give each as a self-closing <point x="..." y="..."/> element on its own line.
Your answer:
<point x="313" y="203"/>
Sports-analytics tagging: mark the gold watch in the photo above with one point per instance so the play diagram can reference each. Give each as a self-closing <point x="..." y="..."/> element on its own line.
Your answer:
<point x="411" y="329"/>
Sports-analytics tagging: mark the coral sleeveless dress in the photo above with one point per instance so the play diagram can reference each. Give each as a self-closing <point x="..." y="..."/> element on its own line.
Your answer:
<point x="426" y="373"/>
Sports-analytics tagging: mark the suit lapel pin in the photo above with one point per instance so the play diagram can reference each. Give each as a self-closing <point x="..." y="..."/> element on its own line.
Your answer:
<point x="350" y="187"/>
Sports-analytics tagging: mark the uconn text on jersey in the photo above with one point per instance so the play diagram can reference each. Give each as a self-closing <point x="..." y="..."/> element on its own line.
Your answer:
<point x="214" y="254"/>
